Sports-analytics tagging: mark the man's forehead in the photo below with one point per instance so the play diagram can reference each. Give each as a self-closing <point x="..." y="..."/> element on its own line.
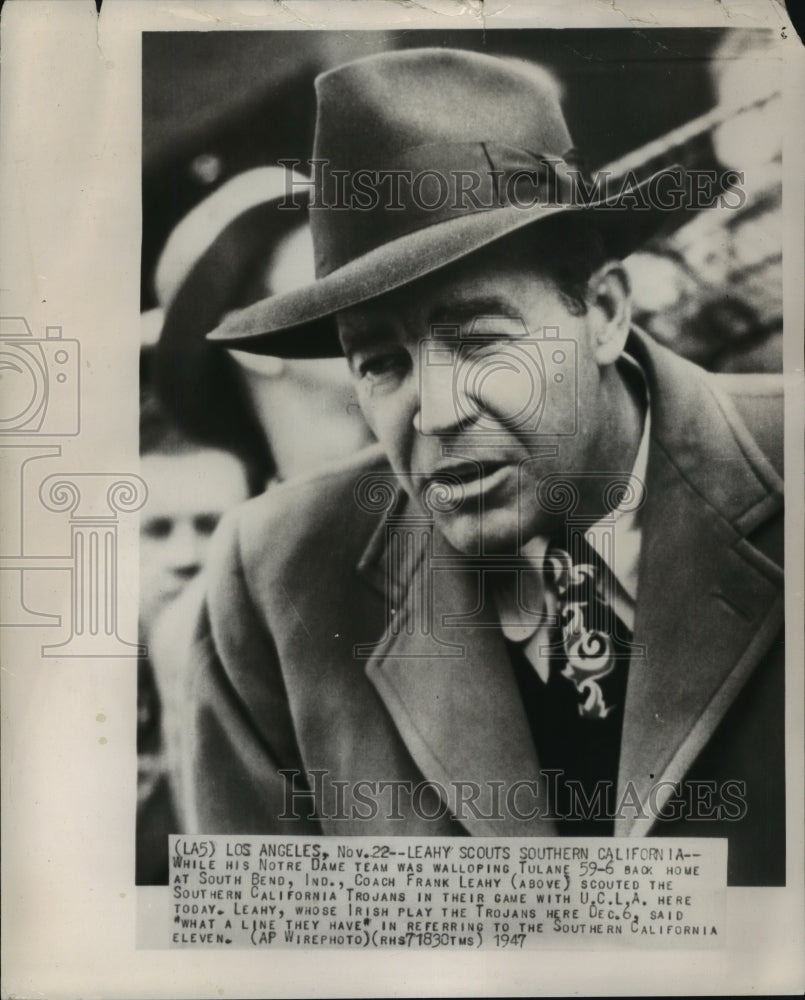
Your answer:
<point x="453" y="300"/>
<point x="450" y="308"/>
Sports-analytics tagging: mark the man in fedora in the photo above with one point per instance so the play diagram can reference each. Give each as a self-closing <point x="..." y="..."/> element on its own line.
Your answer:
<point x="549" y="601"/>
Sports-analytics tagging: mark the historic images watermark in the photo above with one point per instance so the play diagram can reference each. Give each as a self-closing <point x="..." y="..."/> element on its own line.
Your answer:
<point x="550" y="796"/>
<point x="547" y="181"/>
<point x="40" y="391"/>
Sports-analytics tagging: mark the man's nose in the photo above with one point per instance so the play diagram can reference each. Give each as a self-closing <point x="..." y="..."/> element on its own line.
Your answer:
<point x="187" y="551"/>
<point x="442" y="409"/>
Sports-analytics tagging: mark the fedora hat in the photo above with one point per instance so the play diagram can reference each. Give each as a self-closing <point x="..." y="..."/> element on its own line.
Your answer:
<point x="420" y="158"/>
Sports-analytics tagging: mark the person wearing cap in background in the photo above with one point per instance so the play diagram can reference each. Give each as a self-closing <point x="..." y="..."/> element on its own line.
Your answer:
<point x="549" y="600"/>
<point x="287" y="416"/>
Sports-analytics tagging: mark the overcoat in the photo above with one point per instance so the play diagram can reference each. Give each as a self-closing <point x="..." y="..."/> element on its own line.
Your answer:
<point x="302" y="658"/>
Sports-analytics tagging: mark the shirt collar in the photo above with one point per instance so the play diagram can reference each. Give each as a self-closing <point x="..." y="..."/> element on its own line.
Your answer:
<point x="623" y="557"/>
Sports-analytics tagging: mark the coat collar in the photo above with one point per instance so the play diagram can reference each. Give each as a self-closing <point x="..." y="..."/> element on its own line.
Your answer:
<point x="709" y="603"/>
<point x="451" y="691"/>
<point x="708" y="606"/>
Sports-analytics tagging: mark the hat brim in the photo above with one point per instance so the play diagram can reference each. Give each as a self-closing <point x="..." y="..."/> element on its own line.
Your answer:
<point x="300" y="323"/>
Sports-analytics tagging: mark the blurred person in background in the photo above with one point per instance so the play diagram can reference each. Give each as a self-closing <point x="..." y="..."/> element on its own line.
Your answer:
<point x="261" y="420"/>
<point x="190" y="487"/>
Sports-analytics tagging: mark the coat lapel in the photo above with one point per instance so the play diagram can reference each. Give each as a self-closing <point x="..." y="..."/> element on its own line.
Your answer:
<point x="452" y="694"/>
<point x="709" y="603"/>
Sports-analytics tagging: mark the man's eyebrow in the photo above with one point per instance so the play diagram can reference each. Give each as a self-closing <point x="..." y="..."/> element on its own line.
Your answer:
<point x="467" y="310"/>
<point x="353" y="338"/>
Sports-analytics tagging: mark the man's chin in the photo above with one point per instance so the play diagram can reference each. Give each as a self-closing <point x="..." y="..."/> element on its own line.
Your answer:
<point x="473" y="535"/>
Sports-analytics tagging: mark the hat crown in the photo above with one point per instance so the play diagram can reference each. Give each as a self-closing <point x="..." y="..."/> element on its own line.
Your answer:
<point x="382" y="104"/>
<point x="421" y="157"/>
<point x="422" y="113"/>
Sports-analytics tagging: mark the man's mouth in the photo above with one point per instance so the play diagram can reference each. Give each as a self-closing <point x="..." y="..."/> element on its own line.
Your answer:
<point x="471" y="478"/>
<point x="466" y="471"/>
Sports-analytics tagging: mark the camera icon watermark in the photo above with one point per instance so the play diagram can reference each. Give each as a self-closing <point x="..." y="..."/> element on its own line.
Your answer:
<point x="39" y="381"/>
<point x="494" y="377"/>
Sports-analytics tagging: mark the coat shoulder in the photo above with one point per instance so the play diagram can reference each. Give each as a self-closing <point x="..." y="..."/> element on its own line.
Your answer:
<point x="310" y="520"/>
<point x="758" y="400"/>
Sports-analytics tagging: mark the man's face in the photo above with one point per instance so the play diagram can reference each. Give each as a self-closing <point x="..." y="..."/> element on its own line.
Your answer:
<point x="188" y="493"/>
<point x="516" y="393"/>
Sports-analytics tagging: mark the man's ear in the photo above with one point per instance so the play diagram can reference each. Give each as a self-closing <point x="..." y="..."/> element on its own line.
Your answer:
<point x="609" y="299"/>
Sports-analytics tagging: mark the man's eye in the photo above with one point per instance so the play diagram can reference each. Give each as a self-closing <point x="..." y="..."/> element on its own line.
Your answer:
<point x="205" y="524"/>
<point x="485" y="346"/>
<point x="384" y="367"/>
<point x="158" y="527"/>
<point x="476" y="349"/>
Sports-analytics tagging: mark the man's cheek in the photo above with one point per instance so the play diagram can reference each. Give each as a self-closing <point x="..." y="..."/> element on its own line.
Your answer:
<point x="395" y="436"/>
<point x="370" y="410"/>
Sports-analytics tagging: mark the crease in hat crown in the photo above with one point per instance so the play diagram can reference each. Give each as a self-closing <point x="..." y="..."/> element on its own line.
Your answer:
<point x="387" y="112"/>
<point x="410" y="98"/>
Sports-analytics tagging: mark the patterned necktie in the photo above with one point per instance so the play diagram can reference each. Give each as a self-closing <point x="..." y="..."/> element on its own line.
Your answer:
<point x="576" y="717"/>
<point x="592" y="640"/>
